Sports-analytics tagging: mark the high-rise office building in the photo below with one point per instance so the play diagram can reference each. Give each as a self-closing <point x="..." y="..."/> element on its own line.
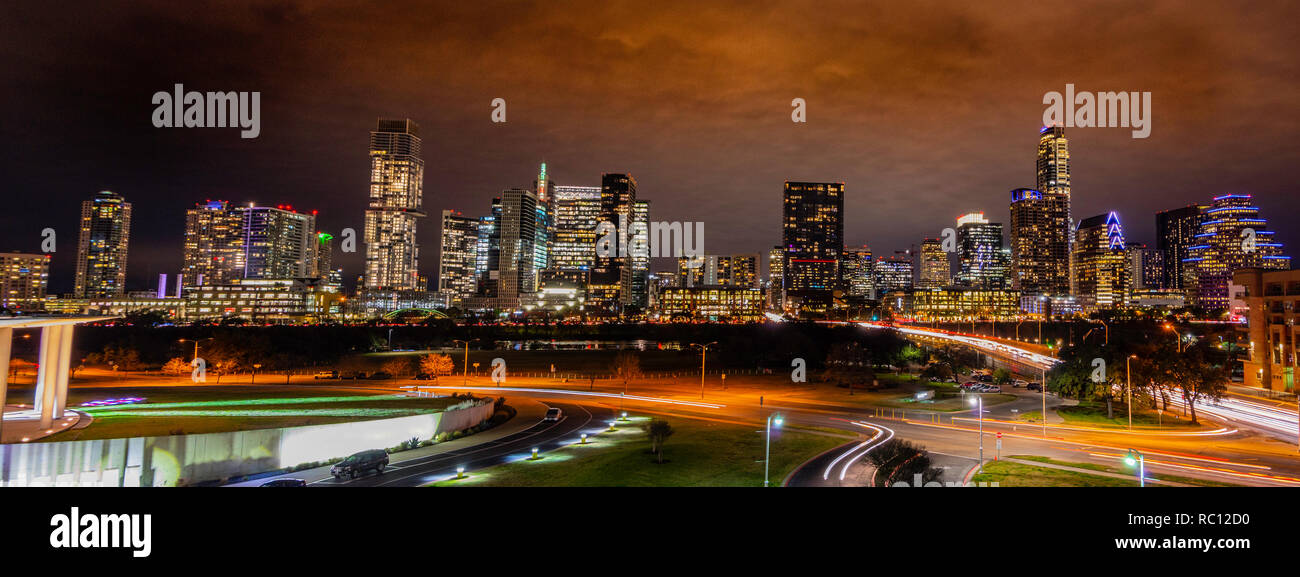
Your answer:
<point x="1101" y="265"/>
<point x="776" y="268"/>
<point x="1232" y="237"/>
<point x="984" y="262"/>
<point x="543" y="187"/>
<point x="744" y="270"/>
<point x="487" y="257"/>
<point x="636" y="283"/>
<point x="893" y="273"/>
<point x="517" y="228"/>
<point x="458" y="258"/>
<point x="812" y="234"/>
<point x="740" y="270"/>
<point x="935" y="270"/>
<point x="690" y="271"/>
<point x="1146" y="269"/>
<point x="396" y="203"/>
<point x="611" y="278"/>
<point x="1176" y="230"/>
<point x="24" y="279"/>
<point x="323" y="266"/>
<point x="1041" y="222"/>
<point x="857" y="271"/>
<point x="1036" y="240"/>
<point x="577" y="214"/>
<point x="102" y="246"/>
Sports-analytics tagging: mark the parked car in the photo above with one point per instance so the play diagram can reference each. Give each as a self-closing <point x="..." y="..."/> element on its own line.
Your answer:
<point x="284" y="483"/>
<point x="425" y="377"/>
<point x="1017" y="383"/>
<point x="553" y="414"/>
<point x="358" y="463"/>
<point x="1034" y="387"/>
<point x="326" y="375"/>
<point x="991" y="389"/>
<point x="350" y="375"/>
<point x="379" y="376"/>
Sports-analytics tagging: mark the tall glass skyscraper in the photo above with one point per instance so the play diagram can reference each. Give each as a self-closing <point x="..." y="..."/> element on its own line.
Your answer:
<point x="1101" y="264"/>
<point x="984" y="262"/>
<point x="1232" y="237"/>
<point x="396" y="202"/>
<point x="1040" y="220"/>
<point x="1176" y="230"/>
<point x="225" y="242"/>
<point x="102" y="246"/>
<point x="577" y="213"/>
<point x="812" y="234"/>
<point x="457" y="259"/>
<point x="935" y="270"/>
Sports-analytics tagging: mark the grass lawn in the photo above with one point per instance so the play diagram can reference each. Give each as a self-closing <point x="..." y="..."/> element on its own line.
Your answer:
<point x="210" y="409"/>
<point x="1008" y="474"/>
<point x="698" y="454"/>
<point x="1094" y="415"/>
<point x="1108" y="469"/>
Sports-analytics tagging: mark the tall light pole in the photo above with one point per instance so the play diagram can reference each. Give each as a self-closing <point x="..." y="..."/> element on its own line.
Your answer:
<point x="1044" y="395"/>
<point x="767" y="459"/>
<point x="466" y="365"/>
<point x="1135" y="458"/>
<point x="703" y="358"/>
<point x="979" y="401"/>
<point x="196" y="344"/>
<point x="1178" y="344"/>
<point x="1128" y="386"/>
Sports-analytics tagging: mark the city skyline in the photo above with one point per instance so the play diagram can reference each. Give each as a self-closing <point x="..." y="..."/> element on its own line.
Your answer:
<point x="724" y="147"/>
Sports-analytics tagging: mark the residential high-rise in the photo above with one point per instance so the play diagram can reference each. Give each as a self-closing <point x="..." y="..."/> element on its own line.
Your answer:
<point x="323" y="266"/>
<point x="458" y="257"/>
<point x="396" y="203"/>
<point x="224" y="242"/>
<point x="1041" y="225"/>
<point x="935" y="270"/>
<point x="984" y="262"/>
<point x="1176" y="230"/>
<point x="1101" y="266"/>
<point x="214" y="244"/>
<point x="279" y="243"/>
<point x="744" y="270"/>
<point x="740" y="270"/>
<point x="690" y="271"/>
<point x="812" y="233"/>
<point x="1232" y="237"/>
<point x="23" y="281"/>
<point x="776" y="268"/>
<point x="1036" y="260"/>
<point x="102" y="246"/>
<point x="577" y="214"/>
<point x="857" y="272"/>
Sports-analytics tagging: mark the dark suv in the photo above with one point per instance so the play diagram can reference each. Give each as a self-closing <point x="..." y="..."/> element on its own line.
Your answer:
<point x="361" y="462"/>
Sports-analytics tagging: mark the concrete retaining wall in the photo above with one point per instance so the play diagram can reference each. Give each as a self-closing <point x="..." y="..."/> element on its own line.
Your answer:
<point x="188" y="459"/>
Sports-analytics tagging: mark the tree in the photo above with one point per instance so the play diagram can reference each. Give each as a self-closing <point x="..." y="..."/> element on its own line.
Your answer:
<point x="898" y="460"/>
<point x="627" y="366"/>
<point x="398" y="366"/>
<point x="176" y="367"/>
<point x="659" y="430"/>
<point x="1001" y="376"/>
<point x="436" y="365"/>
<point x="905" y="356"/>
<point x="1198" y="377"/>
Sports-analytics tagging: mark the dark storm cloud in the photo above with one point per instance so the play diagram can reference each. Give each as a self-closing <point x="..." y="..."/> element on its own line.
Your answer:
<point x="925" y="109"/>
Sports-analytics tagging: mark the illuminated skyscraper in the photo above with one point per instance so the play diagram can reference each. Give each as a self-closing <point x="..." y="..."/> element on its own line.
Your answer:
<point x="396" y="202"/>
<point x="102" y="246"/>
<point x="457" y="261"/>
<point x="23" y="281"/>
<point x="517" y="228"/>
<point x="935" y="270"/>
<point x="1145" y="267"/>
<point x="611" y="278"/>
<point x="1176" y="230"/>
<point x="690" y="271"/>
<point x="776" y="268"/>
<point x="1101" y="264"/>
<point x="214" y="244"/>
<point x="812" y="233"/>
<point x="740" y="270"/>
<point x="543" y="187"/>
<point x="323" y="266"/>
<point x="857" y="271"/>
<point x="636" y="282"/>
<point x="984" y="262"/>
<point x="1232" y="237"/>
<point x="577" y="213"/>
<point x="1040" y="220"/>
<point x="487" y="257"/>
<point x="893" y="273"/>
<point x="224" y="242"/>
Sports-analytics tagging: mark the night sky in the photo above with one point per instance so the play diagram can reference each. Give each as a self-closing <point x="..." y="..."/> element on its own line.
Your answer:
<point x="925" y="110"/>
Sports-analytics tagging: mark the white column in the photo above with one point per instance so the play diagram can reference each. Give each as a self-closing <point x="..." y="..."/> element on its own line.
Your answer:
<point x="65" y="361"/>
<point x="6" y="346"/>
<point x="45" y="381"/>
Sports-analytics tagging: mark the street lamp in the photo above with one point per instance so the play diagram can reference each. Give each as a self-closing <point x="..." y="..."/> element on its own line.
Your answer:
<point x="465" y="366"/>
<point x="196" y="344"/>
<point x="1178" y="345"/>
<point x="979" y="402"/>
<point x="1128" y="387"/>
<point x="767" y="459"/>
<point x="1135" y="458"/>
<point x="704" y="348"/>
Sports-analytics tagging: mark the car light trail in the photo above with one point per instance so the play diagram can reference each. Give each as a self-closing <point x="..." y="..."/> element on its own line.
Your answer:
<point x="589" y="394"/>
<point x="865" y="447"/>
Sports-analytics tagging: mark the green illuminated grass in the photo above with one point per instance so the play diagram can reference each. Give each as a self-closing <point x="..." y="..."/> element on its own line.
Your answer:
<point x="1008" y="474"/>
<point x="699" y="454"/>
<point x="1094" y="415"/>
